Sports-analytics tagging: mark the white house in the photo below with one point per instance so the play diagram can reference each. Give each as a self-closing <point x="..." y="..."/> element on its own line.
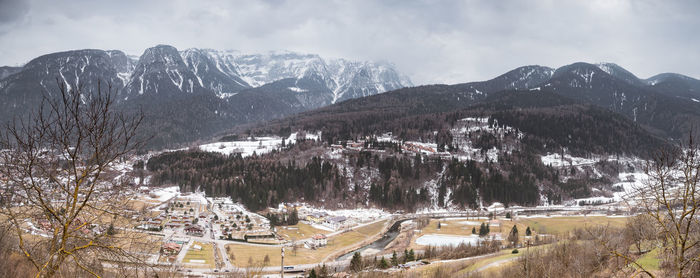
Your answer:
<point x="319" y="240"/>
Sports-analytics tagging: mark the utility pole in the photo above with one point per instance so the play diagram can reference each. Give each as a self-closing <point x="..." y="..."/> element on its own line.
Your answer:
<point x="527" y="262"/>
<point x="282" y="264"/>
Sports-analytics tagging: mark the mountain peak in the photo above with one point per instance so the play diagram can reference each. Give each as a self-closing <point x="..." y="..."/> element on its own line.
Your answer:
<point x="162" y="71"/>
<point x="620" y="73"/>
<point x="676" y="85"/>
<point x="524" y="77"/>
<point x="662" y="77"/>
<point x="160" y="53"/>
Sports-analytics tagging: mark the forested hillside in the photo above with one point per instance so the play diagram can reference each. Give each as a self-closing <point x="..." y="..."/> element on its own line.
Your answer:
<point x="549" y="120"/>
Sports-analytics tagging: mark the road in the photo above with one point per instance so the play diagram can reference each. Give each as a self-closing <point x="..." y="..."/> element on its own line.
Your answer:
<point x="220" y="244"/>
<point x="496" y="263"/>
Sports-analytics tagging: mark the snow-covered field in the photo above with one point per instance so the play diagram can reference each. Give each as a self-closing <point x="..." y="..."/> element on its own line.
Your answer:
<point x="470" y="223"/>
<point x="362" y="214"/>
<point x="556" y="160"/>
<point x="260" y="145"/>
<point x="354" y="215"/>
<point x="447" y="240"/>
<point x="629" y="182"/>
<point x="167" y="193"/>
<point x="197" y="197"/>
<point x="226" y="205"/>
<point x="164" y="194"/>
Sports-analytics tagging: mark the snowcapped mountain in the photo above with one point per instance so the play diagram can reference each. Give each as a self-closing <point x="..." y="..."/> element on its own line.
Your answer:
<point x="360" y="79"/>
<point x="162" y="71"/>
<point x="214" y="71"/>
<point x="620" y="73"/>
<point x="522" y="78"/>
<point x="81" y="67"/>
<point x="260" y="69"/>
<point x="676" y="85"/>
<point x="22" y="89"/>
<point x="343" y="78"/>
<point x="197" y="92"/>
<point x="663" y="112"/>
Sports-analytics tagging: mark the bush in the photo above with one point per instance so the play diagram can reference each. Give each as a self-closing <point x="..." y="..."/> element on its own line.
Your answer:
<point x="515" y="251"/>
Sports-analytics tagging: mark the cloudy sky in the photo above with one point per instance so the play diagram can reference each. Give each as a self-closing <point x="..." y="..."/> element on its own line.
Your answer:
<point x="430" y="41"/>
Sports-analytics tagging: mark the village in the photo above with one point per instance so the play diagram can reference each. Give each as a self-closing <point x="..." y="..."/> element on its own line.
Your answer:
<point x="192" y="232"/>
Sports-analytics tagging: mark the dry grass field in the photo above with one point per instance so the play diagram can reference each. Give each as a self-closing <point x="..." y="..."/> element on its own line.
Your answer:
<point x="240" y="254"/>
<point x="299" y="231"/>
<point x="564" y="225"/>
<point x="206" y="254"/>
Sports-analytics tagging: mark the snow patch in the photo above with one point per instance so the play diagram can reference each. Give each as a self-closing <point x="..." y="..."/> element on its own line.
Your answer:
<point x="297" y="89"/>
<point x="448" y="240"/>
<point x="257" y="145"/>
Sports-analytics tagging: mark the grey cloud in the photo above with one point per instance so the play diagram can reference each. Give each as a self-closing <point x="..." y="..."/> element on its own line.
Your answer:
<point x="431" y="41"/>
<point x="12" y="10"/>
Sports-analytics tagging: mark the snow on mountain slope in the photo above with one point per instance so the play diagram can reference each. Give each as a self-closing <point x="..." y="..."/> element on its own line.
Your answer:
<point x="525" y="77"/>
<point x="677" y="85"/>
<point x="229" y="71"/>
<point x="346" y="79"/>
<point x="162" y="71"/>
<point x="124" y="64"/>
<point x="620" y="73"/>
<point x="466" y="132"/>
<point x="361" y="79"/>
<point x="78" y="67"/>
<point x="260" y="69"/>
<point x="214" y="70"/>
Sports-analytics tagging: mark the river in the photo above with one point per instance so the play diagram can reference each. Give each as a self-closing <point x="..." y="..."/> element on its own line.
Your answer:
<point x="378" y="244"/>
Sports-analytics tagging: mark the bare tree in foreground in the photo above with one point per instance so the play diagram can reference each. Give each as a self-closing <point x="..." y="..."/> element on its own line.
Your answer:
<point x="669" y="201"/>
<point x="58" y="198"/>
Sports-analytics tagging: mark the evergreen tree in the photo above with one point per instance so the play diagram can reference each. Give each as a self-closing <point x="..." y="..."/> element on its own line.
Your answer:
<point x="312" y="274"/>
<point x="439" y="225"/>
<point x="411" y="255"/>
<point x="473" y="230"/>
<point x="508" y="215"/>
<point x="394" y="259"/>
<point x="528" y="232"/>
<point x="482" y="229"/>
<point x="383" y="264"/>
<point x="405" y="256"/>
<point x="356" y="262"/>
<point x="294" y="217"/>
<point x="110" y="230"/>
<point x="513" y="235"/>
